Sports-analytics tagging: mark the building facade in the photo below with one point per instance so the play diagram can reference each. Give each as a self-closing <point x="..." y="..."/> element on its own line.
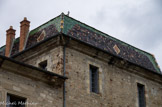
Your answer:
<point x="66" y="63"/>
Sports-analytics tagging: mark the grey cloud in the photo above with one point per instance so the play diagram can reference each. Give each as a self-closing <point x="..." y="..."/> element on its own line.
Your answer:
<point x="138" y="24"/>
<point x="143" y="24"/>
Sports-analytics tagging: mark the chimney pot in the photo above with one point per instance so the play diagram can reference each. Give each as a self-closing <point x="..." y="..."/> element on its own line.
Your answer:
<point x="25" y="18"/>
<point x="11" y="27"/>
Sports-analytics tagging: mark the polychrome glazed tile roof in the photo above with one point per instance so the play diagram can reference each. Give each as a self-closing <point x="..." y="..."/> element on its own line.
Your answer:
<point x="82" y="32"/>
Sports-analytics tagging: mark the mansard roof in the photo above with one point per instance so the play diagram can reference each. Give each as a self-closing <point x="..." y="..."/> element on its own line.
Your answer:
<point x="82" y="32"/>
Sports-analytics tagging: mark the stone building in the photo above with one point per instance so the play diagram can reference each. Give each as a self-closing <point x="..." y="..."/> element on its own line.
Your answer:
<point x="66" y="63"/>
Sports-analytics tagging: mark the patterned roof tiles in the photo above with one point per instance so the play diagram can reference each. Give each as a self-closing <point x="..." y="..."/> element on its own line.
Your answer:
<point x="76" y="29"/>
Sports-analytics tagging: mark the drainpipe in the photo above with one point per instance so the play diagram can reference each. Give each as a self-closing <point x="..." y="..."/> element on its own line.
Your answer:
<point x="64" y="72"/>
<point x="64" y="86"/>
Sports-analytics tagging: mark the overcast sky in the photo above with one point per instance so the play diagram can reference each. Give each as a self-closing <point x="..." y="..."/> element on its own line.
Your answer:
<point x="137" y="22"/>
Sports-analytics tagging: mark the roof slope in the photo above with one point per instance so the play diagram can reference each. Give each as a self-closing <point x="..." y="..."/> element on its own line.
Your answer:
<point x="78" y="30"/>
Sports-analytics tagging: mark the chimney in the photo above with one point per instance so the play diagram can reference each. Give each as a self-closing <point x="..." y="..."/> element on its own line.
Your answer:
<point x="10" y="36"/>
<point x="24" y="29"/>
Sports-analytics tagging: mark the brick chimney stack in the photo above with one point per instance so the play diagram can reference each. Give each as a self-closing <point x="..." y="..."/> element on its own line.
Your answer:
<point x="10" y="36"/>
<point x="24" y="29"/>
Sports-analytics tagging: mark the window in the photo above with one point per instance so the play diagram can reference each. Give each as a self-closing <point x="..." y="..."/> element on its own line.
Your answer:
<point x="43" y="65"/>
<point x="94" y="79"/>
<point x="141" y="95"/>
<point x="15" y="101"/>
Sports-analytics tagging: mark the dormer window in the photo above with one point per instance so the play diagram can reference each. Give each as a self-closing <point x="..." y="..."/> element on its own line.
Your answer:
<point x="43" y="65"/>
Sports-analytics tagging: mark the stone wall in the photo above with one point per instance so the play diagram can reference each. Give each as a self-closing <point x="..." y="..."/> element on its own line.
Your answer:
<point x="38" y="94"/>
<point x="54" y="59"/>
<point x="117" y="87"/>
<point x="117" y="83"/>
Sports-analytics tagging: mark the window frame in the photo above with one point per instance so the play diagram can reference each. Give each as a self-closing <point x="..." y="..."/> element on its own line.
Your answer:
<point x="141" y="95"/>
<point x="94" y="79"/>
